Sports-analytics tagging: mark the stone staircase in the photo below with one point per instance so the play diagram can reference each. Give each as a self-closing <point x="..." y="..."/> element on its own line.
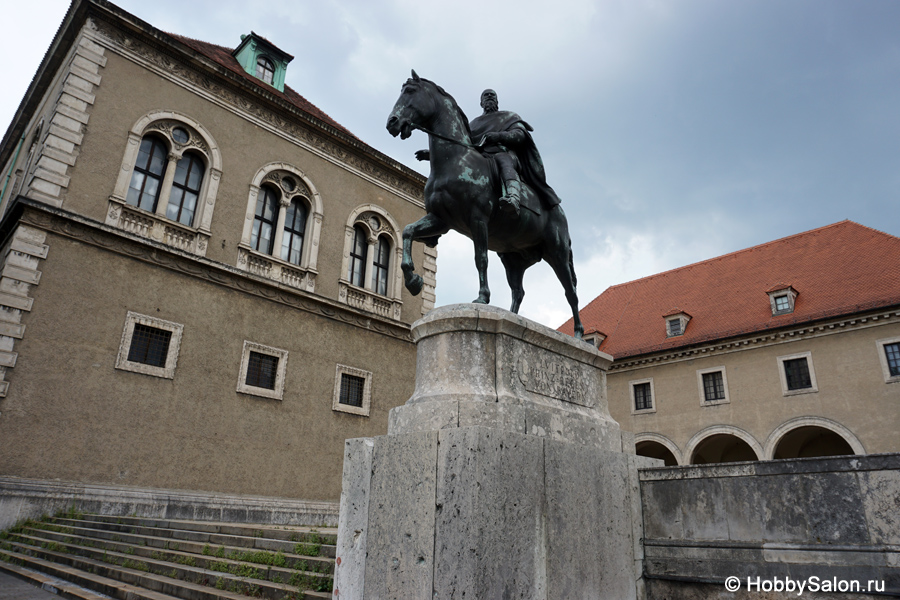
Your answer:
<point x="136" y="558"/>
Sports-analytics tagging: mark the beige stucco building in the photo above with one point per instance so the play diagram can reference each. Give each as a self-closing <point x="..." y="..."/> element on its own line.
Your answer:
<point x="784" y="350"/>
<point x="200" y="270"/>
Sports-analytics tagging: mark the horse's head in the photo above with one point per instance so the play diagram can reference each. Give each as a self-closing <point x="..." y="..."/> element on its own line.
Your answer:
<point x="415" y="106"/>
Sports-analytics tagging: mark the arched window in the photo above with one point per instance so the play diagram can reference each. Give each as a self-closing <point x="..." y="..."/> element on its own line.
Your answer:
<point x="185" y="189"/>
<point x="265" y="69"/>
<point x="357" y="272"/>
<point x="264" y="221"/>
<point x="380" y="266"/>
<point x="370" y="278"/>
<point x="147" y="177"/>
<point x="166" y="189"/>
<point x="294" y="227"/>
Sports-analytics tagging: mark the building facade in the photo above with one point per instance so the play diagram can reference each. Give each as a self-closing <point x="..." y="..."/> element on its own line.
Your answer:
<point x="201" y="286"/>
<point x="789" y="349"/>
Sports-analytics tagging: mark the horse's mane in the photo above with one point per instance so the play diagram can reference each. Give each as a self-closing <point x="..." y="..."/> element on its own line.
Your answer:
<point x="459" y="110"/>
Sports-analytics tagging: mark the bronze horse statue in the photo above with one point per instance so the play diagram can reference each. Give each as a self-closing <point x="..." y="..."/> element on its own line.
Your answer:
<point x="462" y="194"/>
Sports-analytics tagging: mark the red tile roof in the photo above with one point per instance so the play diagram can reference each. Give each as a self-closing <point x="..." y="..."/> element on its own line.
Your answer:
<point x="223" y="57"/>
<point x="840" y="269"/>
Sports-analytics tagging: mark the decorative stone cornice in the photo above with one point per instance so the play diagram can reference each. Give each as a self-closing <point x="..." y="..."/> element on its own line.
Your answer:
<point x="87" y="231"/>
<point x="179" y="71"/>
<point x="872" y="318"/>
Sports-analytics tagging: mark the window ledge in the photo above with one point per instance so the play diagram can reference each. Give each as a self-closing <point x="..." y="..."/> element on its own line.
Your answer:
<point x="368" y="300"/>
<point x="264" y="265"/>
<point x="715" y="402"/>
<point x="643" y="411"/>
<point x="812" y="390"/>
<point x="122" y="215"/>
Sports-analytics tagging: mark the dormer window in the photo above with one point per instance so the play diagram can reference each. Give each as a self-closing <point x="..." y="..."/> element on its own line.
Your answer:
<point x="265" y="69"/>
<point x="676" y="322"/>
<point x="781" y="299"/>
<point x="262" y="59"/>
<point x="594" y="337"/>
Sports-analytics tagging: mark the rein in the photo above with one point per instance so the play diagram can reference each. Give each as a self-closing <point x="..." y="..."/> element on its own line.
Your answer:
<point x="446" y="139"/>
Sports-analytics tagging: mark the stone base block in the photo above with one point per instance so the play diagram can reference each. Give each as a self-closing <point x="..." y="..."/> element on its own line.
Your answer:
<point x="479" y="513"/>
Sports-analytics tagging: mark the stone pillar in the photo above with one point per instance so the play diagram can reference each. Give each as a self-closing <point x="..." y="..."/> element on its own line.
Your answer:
<point x="503" y="476"/>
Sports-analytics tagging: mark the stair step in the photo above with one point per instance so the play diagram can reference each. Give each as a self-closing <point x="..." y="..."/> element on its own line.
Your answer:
<point x="180" y="552"/>
<point x="202" y="537"/>
<point x="135" y="558"/>
<point x="175" y="580"/>
<point x="53" y="585"/>
<point x="23" y="565"/>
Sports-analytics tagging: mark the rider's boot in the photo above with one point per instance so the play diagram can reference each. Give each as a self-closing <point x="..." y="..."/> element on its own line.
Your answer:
<point x="510" y="202"/>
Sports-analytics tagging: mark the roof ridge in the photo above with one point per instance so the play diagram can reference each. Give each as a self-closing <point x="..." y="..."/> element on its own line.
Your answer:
<point x="741" y="251"/>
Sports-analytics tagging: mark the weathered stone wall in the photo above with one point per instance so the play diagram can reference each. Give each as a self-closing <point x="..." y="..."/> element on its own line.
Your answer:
<point x="835" y="519"/>
<point x="22" y="499"/>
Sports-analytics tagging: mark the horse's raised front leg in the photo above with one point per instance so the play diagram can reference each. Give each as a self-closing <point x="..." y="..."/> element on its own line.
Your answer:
<point x="428" y="226"/>
<point x="480" y="239"/>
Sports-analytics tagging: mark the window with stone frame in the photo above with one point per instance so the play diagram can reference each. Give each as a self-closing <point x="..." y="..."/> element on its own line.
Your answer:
<point x="889" y="354"/>
<point x="797" y="374"/>
<point x="262" y="371"/>
<point x="166" y="189"/>
<point x="149" y="345"/>
<point x="352" y="390"/>
<point x="641" y="391"/>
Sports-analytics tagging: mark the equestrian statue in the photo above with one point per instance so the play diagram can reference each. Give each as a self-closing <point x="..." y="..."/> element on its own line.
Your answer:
<point x="487" y="182"/>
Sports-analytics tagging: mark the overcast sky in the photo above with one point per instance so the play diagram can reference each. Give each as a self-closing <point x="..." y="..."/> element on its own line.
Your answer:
<point x="673" y="131"/>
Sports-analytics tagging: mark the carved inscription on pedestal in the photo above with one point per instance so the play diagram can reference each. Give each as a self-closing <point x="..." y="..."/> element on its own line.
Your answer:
<point x="554" y="379"/>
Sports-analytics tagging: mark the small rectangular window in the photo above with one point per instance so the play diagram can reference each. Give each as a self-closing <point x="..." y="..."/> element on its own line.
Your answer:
<point x="149" y="345"/>
<point x="797" y="373"/>
<point x="782" y="303"/>
<point x="352" y="390"/>
<point x="262" y="370"/>
<point x="643" y="397"/>
<point x="713" y="386"/>
<point x="674" y="327"/>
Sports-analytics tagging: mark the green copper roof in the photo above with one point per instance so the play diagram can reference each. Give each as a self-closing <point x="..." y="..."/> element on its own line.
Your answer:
<point x="255" y="50"/>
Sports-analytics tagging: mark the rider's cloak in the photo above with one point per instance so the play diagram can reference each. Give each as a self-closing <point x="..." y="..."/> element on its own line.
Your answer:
<point x="529" y="159"/>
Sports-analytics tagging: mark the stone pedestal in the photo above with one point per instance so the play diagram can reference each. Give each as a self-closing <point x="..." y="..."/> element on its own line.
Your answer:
<point x="502" y="477"/>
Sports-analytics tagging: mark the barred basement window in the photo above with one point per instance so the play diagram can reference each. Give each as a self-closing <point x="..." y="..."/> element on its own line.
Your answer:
<point x="262" y="371"/>
<point x="352" y="390"/>
<point x="149" y="345"/>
